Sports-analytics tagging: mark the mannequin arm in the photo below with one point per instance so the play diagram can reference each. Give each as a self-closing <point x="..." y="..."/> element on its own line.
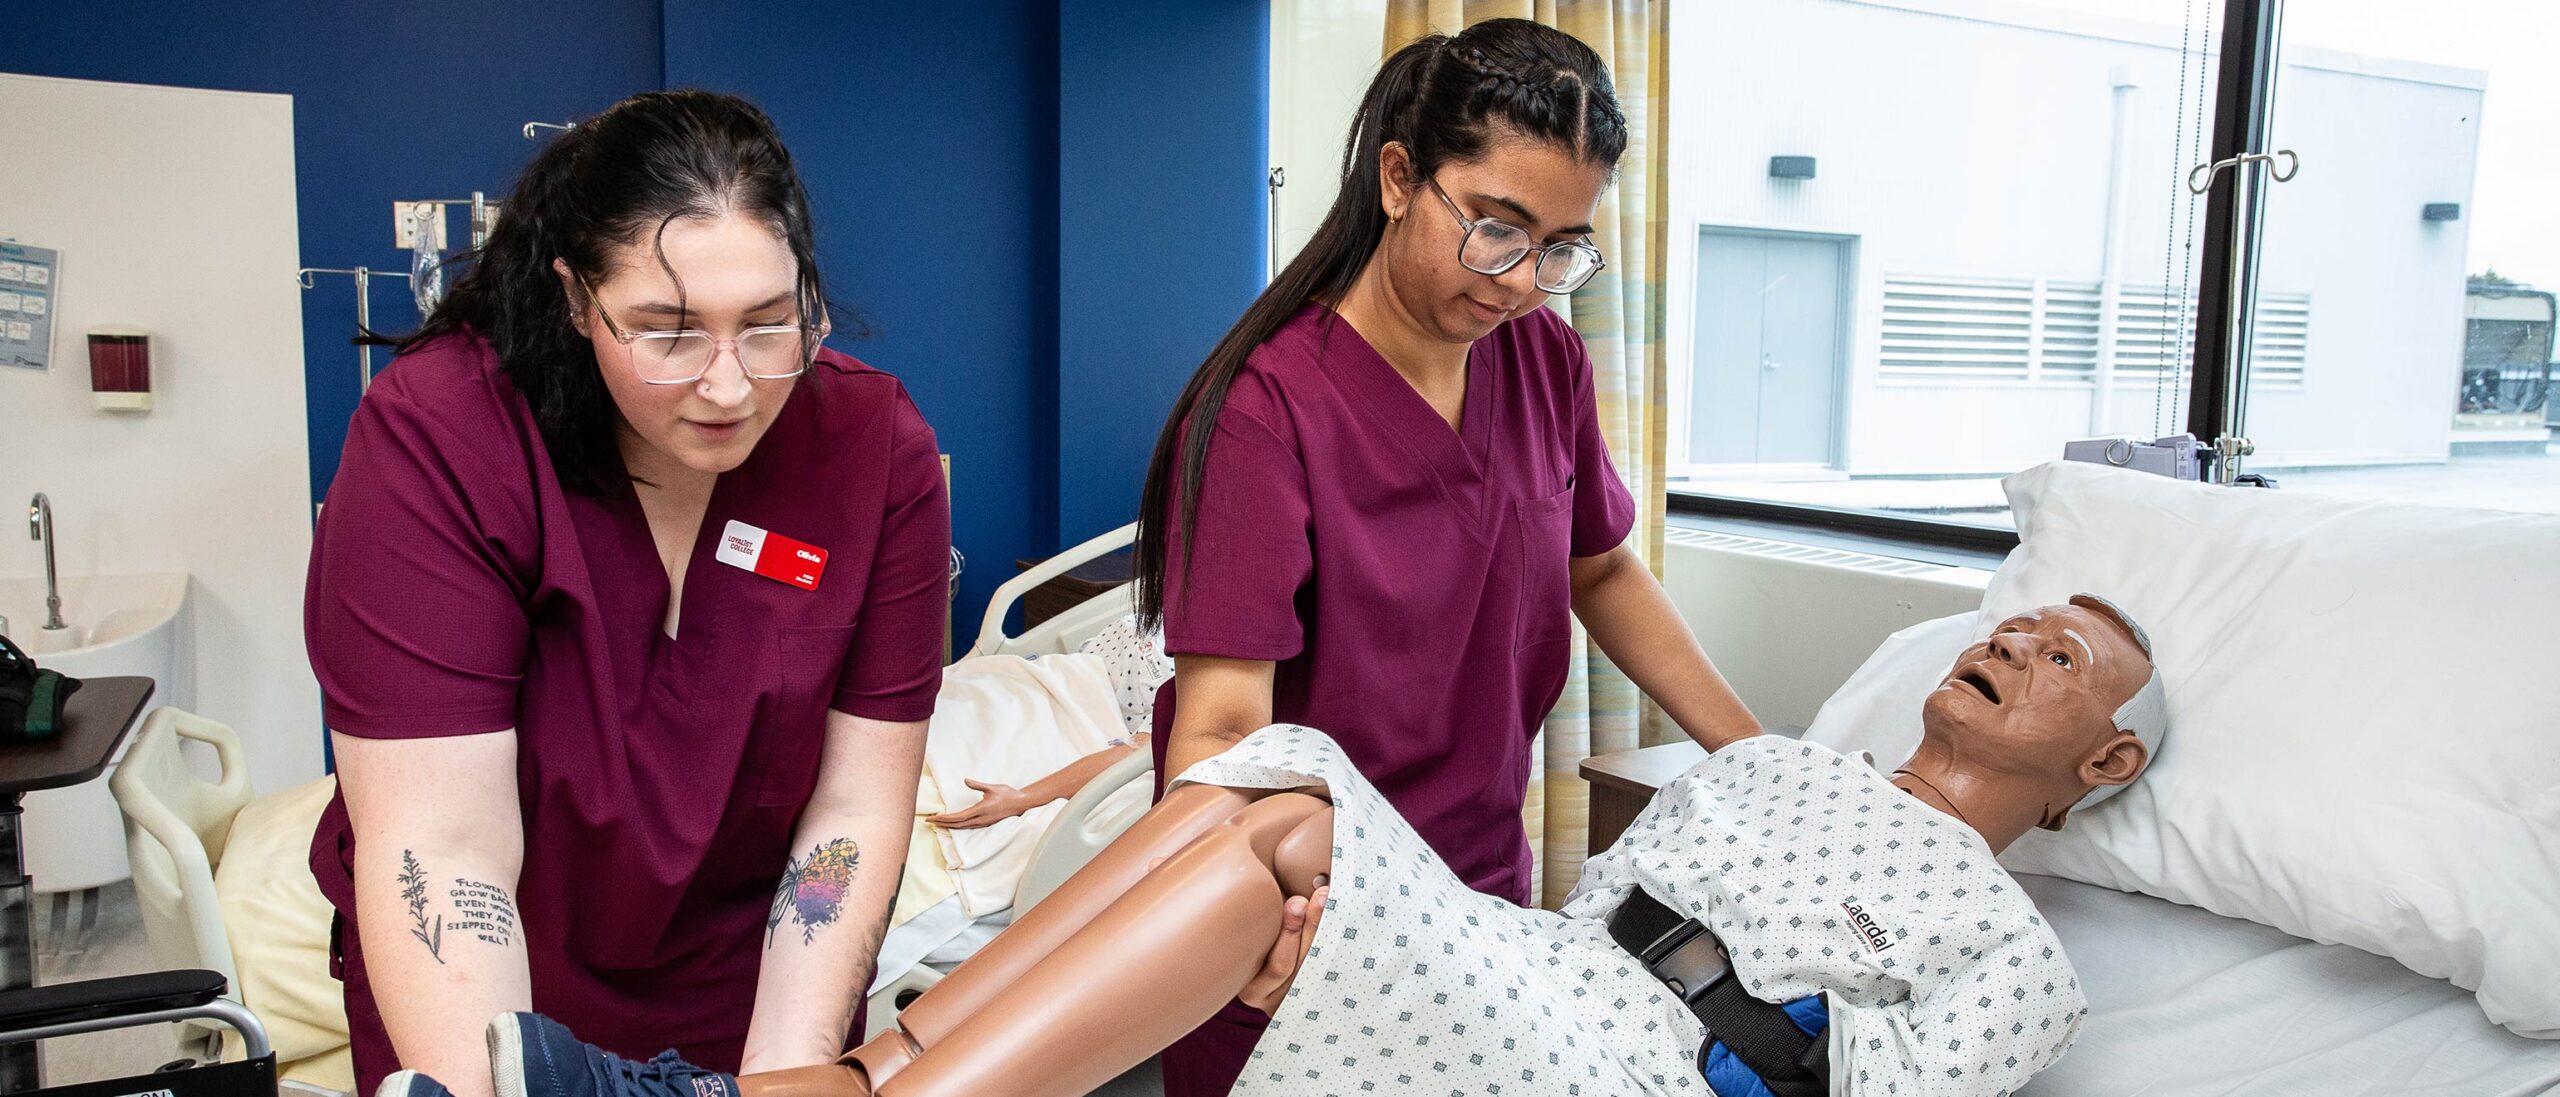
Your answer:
<point x="1001" y="802"/>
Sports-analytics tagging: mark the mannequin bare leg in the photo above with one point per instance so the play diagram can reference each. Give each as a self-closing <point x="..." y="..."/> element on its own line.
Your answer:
<point x="1115" y="965"/>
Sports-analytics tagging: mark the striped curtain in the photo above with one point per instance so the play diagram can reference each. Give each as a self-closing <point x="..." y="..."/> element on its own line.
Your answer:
<point x="1620" y="317"/>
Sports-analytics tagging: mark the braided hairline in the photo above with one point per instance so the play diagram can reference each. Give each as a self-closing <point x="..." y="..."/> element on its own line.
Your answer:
<point x="1558" y="83"/>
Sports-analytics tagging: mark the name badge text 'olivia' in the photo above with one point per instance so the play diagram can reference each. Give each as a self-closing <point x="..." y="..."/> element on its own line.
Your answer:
<point x="771" y="555"/>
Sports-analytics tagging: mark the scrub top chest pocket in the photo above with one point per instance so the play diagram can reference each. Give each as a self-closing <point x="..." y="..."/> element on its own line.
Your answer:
<point x="1544" y="528"/>
<point x="807" y="661"/>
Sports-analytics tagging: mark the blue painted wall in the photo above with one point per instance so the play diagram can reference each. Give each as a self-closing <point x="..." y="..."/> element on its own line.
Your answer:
<point x="390" y="102"/>
<point x="925" y="135"/>
<point x="1162" y="220"/>
<point x="1047" y="217"/>
<point x="1050" y="217"/>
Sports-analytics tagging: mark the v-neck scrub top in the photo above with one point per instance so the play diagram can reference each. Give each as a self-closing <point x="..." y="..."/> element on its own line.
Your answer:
<point x="1412" y="582"/>
<point x="457" y="588"/>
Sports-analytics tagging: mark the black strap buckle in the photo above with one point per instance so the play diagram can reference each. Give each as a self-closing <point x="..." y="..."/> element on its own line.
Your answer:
<point x="1693" y="965"/>
<point x="1689" y="960"/>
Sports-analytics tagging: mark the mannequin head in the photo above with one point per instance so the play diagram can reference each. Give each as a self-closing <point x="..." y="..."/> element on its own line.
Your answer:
<point x="2031" y="721"/>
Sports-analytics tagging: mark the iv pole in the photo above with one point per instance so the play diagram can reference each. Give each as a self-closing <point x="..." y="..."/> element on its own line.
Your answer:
<point x="364" y="277"/>
<point x="484" y="218"/>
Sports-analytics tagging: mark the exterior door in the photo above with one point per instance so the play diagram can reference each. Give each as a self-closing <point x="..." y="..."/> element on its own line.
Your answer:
<point x="1768" y="352"/>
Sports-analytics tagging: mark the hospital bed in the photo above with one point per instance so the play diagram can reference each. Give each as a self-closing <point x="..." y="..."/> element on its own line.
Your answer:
<point x="916" y="953"/>
<point x="2185" y="1003"/>
<point x="2352" y="813"/>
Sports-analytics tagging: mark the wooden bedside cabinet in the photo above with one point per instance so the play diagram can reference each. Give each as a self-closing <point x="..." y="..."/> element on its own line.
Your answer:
<point x="1624" y="781"/>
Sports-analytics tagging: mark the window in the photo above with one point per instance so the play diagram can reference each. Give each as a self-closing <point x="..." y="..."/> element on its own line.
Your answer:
<point x="1922" y="244"/>
<point x="1928" y="245"/>
<point x="2427" y="137"/>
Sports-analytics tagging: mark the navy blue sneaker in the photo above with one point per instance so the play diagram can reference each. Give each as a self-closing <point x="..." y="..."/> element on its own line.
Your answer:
<point x="531" y="1055"/>
<point x="410" y="1083"/>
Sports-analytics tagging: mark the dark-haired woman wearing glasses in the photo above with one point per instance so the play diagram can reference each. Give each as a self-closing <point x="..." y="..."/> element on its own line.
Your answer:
<point x="1378" y="501"/>
<point x="627" y="608"/>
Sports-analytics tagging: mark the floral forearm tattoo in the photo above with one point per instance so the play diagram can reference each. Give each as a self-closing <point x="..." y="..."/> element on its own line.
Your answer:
<point x="813" y="890"/>
<point x="413" y="890"/>
<point x="483" y="911"/>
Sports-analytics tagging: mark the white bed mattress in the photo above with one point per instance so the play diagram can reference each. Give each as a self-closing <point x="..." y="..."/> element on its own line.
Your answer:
<point x="2186" y="1002"/>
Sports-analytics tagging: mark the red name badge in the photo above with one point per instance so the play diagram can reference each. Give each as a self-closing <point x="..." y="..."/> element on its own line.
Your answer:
<point x="772" y="555"/>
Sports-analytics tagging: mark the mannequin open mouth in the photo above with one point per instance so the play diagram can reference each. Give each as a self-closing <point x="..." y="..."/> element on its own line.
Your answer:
<point x="1974" y="678"/>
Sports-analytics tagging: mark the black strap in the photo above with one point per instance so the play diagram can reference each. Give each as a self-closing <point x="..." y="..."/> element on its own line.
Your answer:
<point x="1641" y="922"/>
<point x="1759" y="1033"/>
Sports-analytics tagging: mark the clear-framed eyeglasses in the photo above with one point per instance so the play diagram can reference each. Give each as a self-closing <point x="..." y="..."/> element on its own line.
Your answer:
<point x="773" y="352"/>
<point x="1493" y="246"/>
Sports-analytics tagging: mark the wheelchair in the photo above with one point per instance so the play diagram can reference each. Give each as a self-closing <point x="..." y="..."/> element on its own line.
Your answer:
<point x="96" y="719"/>
<point x="127" y="1001"/>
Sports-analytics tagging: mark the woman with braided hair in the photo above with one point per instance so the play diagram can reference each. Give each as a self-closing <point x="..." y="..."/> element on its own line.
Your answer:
<point x="1374" y="506"/>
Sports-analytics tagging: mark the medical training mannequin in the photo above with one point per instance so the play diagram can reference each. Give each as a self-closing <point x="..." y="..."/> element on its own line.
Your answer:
<point x="2036" y="720"/>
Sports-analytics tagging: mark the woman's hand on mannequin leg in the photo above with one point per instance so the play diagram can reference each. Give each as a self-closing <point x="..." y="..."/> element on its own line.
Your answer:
<point x="1298" y="920"/>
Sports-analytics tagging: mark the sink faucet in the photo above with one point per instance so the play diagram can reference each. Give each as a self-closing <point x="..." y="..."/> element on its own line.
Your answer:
<point x="40" y="528"/>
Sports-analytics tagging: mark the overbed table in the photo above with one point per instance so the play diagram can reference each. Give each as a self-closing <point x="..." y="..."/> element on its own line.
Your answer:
<point x="95" y="721"/>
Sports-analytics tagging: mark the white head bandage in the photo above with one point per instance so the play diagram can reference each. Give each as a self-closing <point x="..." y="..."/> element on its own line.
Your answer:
<point x="2146" y="715"/>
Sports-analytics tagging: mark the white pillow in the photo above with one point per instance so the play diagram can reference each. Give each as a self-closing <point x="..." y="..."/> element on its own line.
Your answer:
<point x="2365" y="716"/>
<point x="1878" y="709"/>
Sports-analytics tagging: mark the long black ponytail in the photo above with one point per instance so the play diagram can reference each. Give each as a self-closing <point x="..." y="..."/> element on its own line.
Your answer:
<point x="1445" y="99"/>
<point x="613" y="180"/>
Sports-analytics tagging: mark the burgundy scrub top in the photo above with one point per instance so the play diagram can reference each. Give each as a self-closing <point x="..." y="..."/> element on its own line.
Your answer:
<point x="457" y="588"/>
<point x="1411" y="581"/>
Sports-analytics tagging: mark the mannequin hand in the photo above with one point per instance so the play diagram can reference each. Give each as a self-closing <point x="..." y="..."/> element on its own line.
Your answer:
<point x="1298" y="919"/>
<point x="996" y="803"/>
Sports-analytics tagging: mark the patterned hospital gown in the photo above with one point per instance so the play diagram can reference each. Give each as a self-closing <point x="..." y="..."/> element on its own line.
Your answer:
<point x="1417" y="985"/>
<point x="1136" y="663"/>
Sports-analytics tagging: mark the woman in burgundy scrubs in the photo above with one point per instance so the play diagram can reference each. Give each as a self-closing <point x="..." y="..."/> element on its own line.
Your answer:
<point x="1405" y="491"/>
<point x="627" y="607"/>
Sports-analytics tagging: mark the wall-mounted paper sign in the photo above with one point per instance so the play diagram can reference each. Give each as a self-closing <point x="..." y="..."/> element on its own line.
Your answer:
<point x="28" y="288"/>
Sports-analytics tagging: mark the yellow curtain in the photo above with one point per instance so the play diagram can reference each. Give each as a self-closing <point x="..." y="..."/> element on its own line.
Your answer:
<point x="1620" y="317"/>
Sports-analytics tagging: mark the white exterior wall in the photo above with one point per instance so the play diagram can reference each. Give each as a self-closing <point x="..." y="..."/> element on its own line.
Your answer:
<point x="2387" y="287"/>
<point x="1972" y="137"/>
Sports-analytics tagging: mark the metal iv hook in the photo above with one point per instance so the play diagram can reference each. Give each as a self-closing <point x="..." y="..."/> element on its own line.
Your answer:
<point x="2201" y="179"/>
